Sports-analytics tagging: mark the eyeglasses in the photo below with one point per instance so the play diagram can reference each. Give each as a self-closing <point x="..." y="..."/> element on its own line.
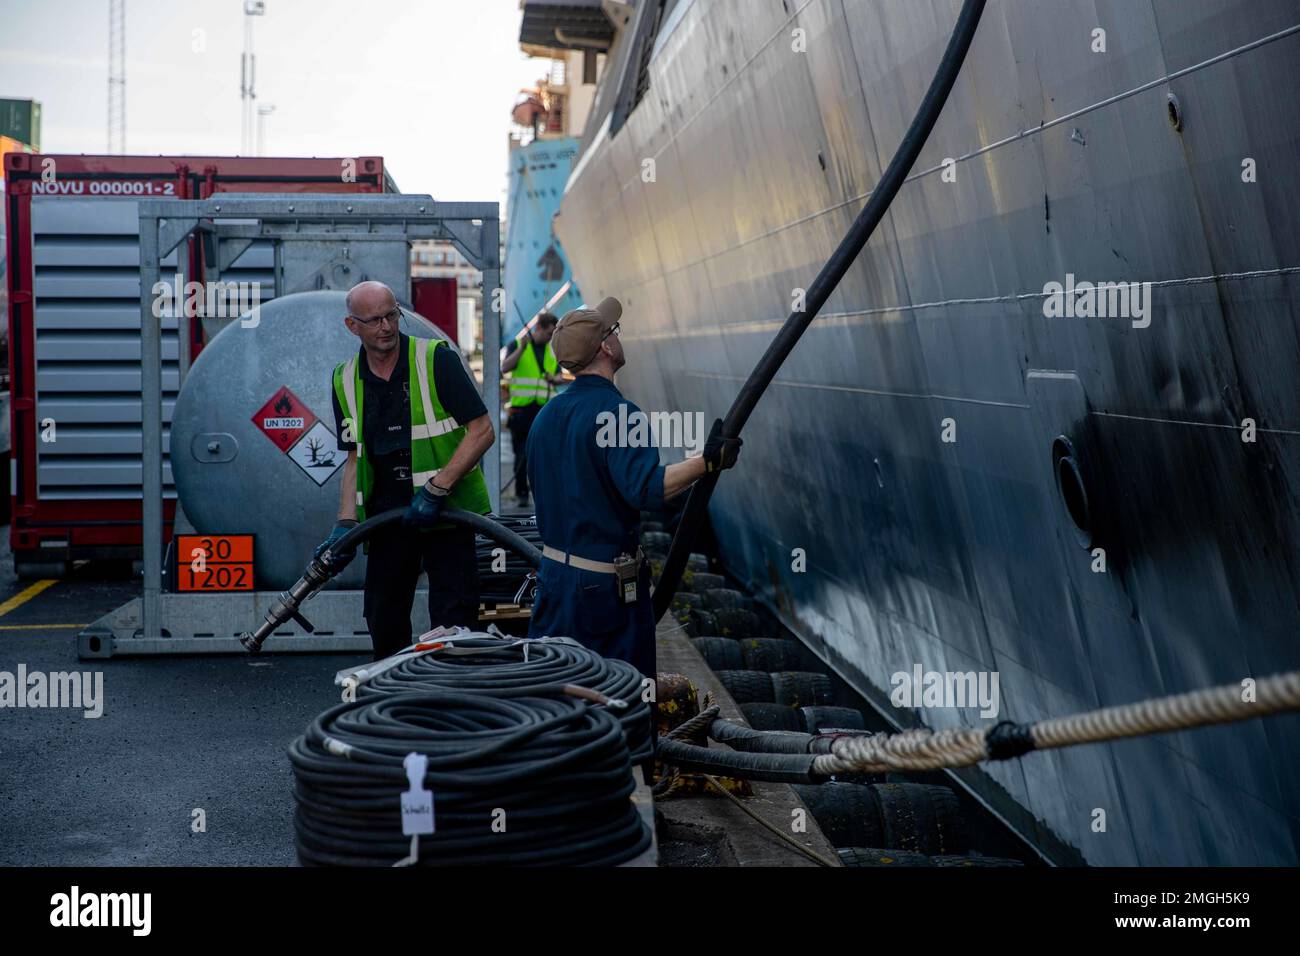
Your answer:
<point x="393" y="318"/>
<point x="612" y="331"/>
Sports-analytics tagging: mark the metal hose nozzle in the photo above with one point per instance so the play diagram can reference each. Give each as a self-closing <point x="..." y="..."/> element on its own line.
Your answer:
<point x="318" y="572"/>
<point x="286" y="606"/>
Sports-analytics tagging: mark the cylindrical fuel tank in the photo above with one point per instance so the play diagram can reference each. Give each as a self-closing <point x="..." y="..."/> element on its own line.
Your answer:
<point x="253" y="449"/>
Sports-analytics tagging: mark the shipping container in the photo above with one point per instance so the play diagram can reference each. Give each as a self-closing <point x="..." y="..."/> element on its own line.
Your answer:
<point x="434" y="297"/>
<point x="74" y="320"/>
<point x="21" y="120"/>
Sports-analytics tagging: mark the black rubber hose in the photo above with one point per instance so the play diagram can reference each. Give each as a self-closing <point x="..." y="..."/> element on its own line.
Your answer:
<point x="318" y="573"/>
<point x="829" y="277"/>
<point x="518" y="781"/>
<point x="759" y="741"/>
<point x="480" y="523"/>
<point x="504" y="667"/>
<point x="777" y="768"/>
<point x="513" y="581"/>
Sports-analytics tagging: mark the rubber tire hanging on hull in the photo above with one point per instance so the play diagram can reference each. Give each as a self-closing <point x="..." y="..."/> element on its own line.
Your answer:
<point x="767" y="654"/>
<point x="736" y="622"/>
<point x="921" y="817"/>
<point x="720" y="653"/>
<point x="847" y="813"/>
<point x="747" y="687"/>
<point x="801" y="688"/>
<point x="819" y="720"/>
<point x="715" y="599"/>
<point x="701" y="581"/>
<point x="869" y="856"/>
<point x="773" y="717"/>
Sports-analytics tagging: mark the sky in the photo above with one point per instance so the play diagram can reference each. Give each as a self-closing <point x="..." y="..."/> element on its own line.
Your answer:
<point x="426" y="84"/>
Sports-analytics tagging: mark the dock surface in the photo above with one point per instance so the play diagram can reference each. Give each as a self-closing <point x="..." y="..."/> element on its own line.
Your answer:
<point x="178" y="733"/>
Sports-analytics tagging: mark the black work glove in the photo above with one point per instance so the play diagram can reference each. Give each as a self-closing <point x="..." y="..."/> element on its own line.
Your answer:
<point x="425" y="509"/>
<point x="337" y="560"/>
<point x="719" y="452"/>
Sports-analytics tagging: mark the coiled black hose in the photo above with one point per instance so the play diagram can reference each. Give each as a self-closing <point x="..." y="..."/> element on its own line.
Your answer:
<point x="552" y="774"/>
<point x="505" y="667"/>
<point x="515" y="583"/>
<point x="828" y="278"/>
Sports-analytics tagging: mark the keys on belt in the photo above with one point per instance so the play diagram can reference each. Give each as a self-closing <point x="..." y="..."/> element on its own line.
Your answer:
<point x="626" y="568"/>
<point x="604" y="567"/>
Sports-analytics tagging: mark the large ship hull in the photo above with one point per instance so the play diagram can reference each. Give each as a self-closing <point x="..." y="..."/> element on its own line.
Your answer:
<point x="906" y="451"/>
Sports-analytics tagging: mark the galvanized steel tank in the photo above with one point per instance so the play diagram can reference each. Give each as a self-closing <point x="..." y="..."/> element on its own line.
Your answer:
<point x="235" y="471"/>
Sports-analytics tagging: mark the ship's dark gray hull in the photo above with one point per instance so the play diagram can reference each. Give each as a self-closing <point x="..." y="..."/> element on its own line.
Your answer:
<point x="959" y="555"/>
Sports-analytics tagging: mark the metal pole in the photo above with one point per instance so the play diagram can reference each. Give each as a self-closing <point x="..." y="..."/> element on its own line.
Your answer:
<point x="491" y="252"/>
<point x="243" y="86"/>
<point x="182" y="315"/>
<point x="151" y="429"/>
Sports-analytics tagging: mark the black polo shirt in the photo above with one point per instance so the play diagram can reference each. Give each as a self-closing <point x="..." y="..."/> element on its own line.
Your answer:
<point x="386" y="414"/>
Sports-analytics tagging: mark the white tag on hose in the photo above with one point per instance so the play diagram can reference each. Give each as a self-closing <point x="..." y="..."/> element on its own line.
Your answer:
<point x="413" y="857"/>
<point x="417" y="803"/>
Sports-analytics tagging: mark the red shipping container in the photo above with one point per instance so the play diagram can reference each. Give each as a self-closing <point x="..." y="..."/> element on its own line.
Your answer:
<point x="434" y="297"/>
<point x="74" y="332"/>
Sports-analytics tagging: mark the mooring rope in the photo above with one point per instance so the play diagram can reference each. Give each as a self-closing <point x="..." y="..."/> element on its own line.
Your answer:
<point x="923" y="749"/>
<point x="697" y="724"/>
<point x="771" y="828"/>
<point x="672" y="779"/>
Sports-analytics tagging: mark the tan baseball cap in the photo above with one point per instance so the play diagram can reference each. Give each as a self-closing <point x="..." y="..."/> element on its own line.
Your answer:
<point x="578" y="336"/>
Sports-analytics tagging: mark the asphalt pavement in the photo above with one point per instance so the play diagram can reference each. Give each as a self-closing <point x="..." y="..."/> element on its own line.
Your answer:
<point x="177" y="735"/>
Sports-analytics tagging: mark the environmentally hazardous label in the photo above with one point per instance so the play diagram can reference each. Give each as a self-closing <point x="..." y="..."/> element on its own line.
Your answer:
<point x="317" y="453"/>
<point x="287" y="421"/>
<point x="284" y="418"/>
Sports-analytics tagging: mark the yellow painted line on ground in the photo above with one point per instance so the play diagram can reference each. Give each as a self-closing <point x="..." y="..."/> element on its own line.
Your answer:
<point x="25" y="595"/>
<point x="37" y="627"/>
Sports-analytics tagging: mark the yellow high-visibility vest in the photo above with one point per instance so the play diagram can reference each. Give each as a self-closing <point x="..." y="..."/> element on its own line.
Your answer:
<point x="527" y="383"/>
<point x="435" y="435"/>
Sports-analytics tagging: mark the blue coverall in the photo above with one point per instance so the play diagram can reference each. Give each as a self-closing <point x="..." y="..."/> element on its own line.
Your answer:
<point x="589" y="502"/>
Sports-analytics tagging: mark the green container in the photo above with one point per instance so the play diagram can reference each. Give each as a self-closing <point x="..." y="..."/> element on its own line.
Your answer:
<point x="21" y="120"/>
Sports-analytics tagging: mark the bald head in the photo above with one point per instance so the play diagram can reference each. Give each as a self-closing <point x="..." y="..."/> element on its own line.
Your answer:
<point x="370" y="298"/>
<point x="373" y="317"/>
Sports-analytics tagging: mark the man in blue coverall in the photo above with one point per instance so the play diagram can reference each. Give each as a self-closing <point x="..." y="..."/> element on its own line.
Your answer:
<point x="594" y="584"/>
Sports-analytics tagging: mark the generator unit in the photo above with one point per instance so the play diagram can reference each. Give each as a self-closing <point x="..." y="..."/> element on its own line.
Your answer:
<point x="74" y="330"/>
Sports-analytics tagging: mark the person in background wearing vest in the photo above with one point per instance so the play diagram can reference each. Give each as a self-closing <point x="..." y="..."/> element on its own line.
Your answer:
<point x="534" y="373"/>
<point x="594" y="583"/>
<point x="414" y="426"/>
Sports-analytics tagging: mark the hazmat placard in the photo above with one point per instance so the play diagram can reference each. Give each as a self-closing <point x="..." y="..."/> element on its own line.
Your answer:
<point x="214" y="562"/>
<point x="296" y="431"/>
<point x="317" y="454"/>
<point x="284" y="418"/>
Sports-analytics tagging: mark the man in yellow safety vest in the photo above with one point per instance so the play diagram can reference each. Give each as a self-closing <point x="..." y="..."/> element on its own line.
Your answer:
<point x="534" y="373"/>
<point x="414" y="427"/>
